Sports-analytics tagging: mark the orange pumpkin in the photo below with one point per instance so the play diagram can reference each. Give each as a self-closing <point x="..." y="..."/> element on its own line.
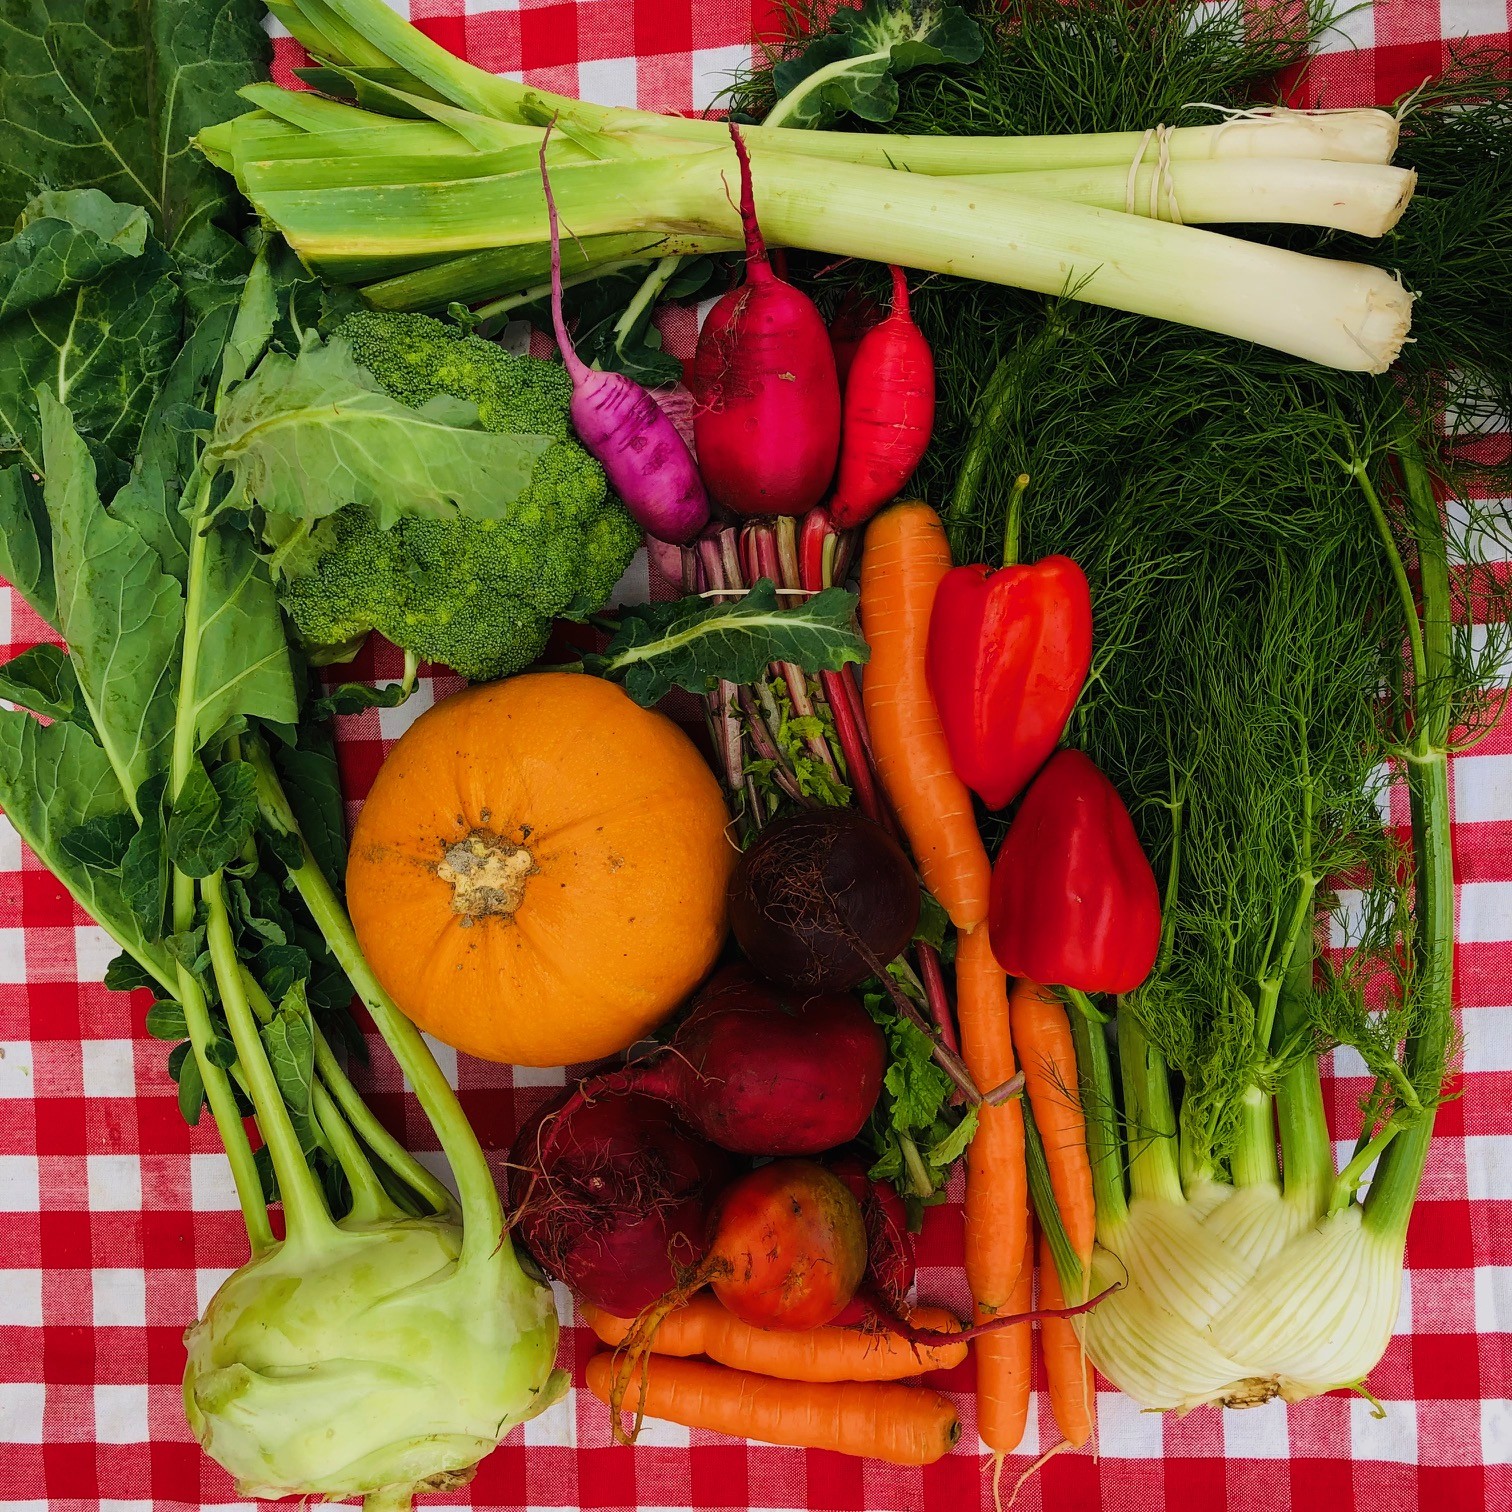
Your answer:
<point x="538" y="875"/>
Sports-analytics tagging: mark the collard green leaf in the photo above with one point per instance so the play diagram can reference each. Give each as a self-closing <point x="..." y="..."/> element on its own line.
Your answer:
<point x="166" y="1021"/>
<point x="252" y="327"/>
<point x="26" y="542"/>
<point x="103" y="347"/>
<point x="853" y="67"/>
<point x="53" y="780"/>
<point x="107" y="94"/>
<point x="243" y="667"/>
<point x="354" y="697"/>
<point x="64" y="239"/>
<point x="144" y="867"/>
<point x="120" y="614"/>
<point x="100" y="842"/>
<point x="212" y="817"/>
<point x="308" y="435"/>
<point x="43" y="680"/>
<point x="280" y="968"/>
<point x="694" y="642"/>
<point x="290" y="1041"/>
<point x="125" y="973"/>
<point x="184" y="1068"/>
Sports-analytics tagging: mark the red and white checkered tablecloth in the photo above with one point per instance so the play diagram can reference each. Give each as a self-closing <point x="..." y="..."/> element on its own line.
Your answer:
<point x="117" y="1222"/>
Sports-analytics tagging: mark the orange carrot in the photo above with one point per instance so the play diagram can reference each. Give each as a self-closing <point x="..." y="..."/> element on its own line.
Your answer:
<point x="1003" y="1362"/>
<point x="1072" y="1397"/>
<point x="1042" y="1038"/>
<point x="705" y="1327"/>
<point x="997" y="1190"/>
<point x="908" y="1425"/>
<point x="905" y="557"/>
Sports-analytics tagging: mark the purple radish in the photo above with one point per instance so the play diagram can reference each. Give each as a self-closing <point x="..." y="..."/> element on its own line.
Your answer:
<point x="648" y="463"/>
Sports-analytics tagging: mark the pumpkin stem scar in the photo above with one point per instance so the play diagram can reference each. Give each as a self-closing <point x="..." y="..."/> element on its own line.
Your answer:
<point x="487" y="875"/>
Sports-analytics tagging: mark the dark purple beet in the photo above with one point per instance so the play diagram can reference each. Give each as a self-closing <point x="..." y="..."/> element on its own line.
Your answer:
<point x="619" y="1205"/>
<point x="890" y="1248"/>
<point x="823" y="899"/>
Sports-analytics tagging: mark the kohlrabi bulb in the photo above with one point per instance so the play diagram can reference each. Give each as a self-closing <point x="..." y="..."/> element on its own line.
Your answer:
<point x="372" y="1361"/>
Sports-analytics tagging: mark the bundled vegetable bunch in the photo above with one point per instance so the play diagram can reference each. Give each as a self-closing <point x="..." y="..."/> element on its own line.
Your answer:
<point x="412" y="175"/>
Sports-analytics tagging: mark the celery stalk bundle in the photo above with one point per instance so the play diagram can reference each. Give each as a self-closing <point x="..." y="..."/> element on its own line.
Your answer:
<point x="423" y="191"/>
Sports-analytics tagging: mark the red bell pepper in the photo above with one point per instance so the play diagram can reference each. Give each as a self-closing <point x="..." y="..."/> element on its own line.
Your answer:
<point x="1074" y="902"/>
<point x="1008" y="654"/>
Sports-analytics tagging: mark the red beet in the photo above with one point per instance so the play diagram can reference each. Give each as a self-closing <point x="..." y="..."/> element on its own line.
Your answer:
<point x="758" y="1071"/>
<point x="615" y="1202"/>
<point x="890" y="1248"/>
<point x="767" y="423"/>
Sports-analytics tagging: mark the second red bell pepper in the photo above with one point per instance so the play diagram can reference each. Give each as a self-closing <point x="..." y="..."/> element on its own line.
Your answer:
<point x="1008" y="654"/>
<point x="1074" y="901"/>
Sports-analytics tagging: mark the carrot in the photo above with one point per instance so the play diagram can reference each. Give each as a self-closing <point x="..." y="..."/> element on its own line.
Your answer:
<point x="908" y="1425"/>
<point x="1003" y="1362"/>
<point x="1042" y="1038"/>
<point x="905" y="557"/>
<point x="1072" y="1397"/>
<point x="814" y="1354"/>
<point x="997" y="1192"/>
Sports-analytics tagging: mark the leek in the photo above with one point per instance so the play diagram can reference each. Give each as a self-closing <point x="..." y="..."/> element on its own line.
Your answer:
<point x="430" y="215"/>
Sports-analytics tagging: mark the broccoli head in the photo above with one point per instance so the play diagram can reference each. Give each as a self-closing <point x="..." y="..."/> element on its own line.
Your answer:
<point x="476" y="595"/>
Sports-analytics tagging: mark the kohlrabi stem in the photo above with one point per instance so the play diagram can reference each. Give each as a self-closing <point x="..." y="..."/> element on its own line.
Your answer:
<point x="482" y="1214"/>
<point x="191" y="997"/>
<point x="371" y="1202"/>
<point x="305" y="1215"/>
<point x="1149" y="1114"/>
<point x="1392" y="1193"/>
<point x="1104" y="1148"/>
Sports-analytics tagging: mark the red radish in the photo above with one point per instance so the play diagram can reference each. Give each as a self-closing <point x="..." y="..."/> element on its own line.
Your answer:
<point x="647" y="462"/>
<point x="890" y="1248"/>
<point x="760" y="1072"/>
<point x="857" y="314"/>
<point x="889" y="413"/>
<point x="616" y="1205"/>
<point x="767" y="424"/>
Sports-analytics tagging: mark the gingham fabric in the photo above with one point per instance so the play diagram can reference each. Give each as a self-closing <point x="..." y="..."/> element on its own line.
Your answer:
<point x="119" y="1221"/>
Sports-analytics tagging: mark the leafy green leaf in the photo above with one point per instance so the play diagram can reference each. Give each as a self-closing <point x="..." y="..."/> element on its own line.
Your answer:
<point x="109" y="96"/>
<point x="212" y="818"/>
<point x="54" y="779"/>
<point x="104" y="347"/>
<point x="99" y="842"/>
<point x="243" y="667"/>
<point x="934" y="922"/>
<point x="144" y="867"/>
<point x="280" y="968"/>
<point x="119" y="613"/>
<point x="252" y="329"/>
<point x="65" y="239"/>
<point x="354" y="697"/>
<point x="694" y="642"/>
<point x="166" y="1021"/>
<point x="290" y="1039"/>
<point x="43" y="680"/>
<point x="308" y="435"/>
<point x="853" y="68"/>
<point x="950" y="1149"/>
<point x="312" y="782"/>
<point x="26" y="542"/>
<point x="184" y="1068"/>
<point x="125" y="973"/>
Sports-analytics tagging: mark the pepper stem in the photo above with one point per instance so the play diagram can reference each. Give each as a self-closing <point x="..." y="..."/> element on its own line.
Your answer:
<point x="1015" y="520"/>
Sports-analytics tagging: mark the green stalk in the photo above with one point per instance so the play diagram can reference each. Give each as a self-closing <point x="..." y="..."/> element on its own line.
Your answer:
<point x="1392" y="1193"/>
<point x="346" y="1104"/>
<point x="1149" y="1114"/>
<point x="305" y="1214"/>
<point x="1306" y="1153"/>
<point x="1254" y="1158"/>
<point x="222" y="1099"/>
<point x="482" y="1215"/>
<point x="1068" y="1265"/>
<point x="1104" y="1148"/>
<point x="371" y="1202"/>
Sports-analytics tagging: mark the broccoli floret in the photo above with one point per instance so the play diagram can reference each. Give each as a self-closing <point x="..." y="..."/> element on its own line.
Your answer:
<point x="476" y="595"/>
